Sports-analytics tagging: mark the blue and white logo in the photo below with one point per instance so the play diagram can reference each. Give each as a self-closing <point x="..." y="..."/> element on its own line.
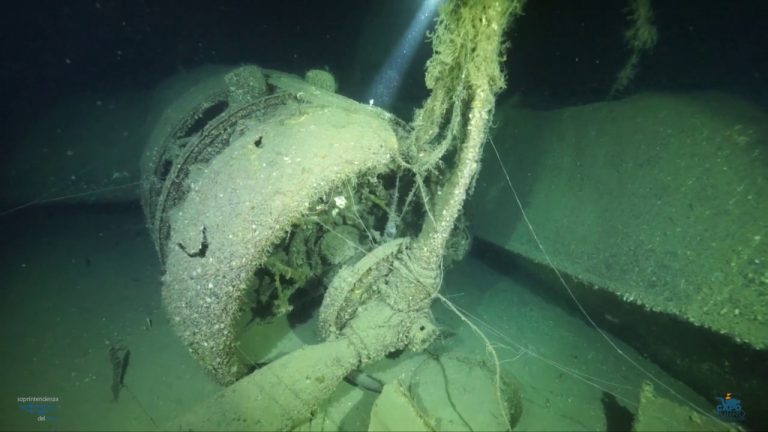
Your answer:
<point x="729" y="408"/>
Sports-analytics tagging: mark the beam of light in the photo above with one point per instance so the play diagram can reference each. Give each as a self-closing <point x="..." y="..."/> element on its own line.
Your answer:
<point x="387" y="82"/>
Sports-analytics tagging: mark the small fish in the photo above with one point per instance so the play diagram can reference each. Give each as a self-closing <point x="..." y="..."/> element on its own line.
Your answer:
<point x="119" y="356"/>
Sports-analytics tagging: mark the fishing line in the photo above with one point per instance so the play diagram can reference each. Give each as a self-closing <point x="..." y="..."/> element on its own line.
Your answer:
<point x="573" y="297"/>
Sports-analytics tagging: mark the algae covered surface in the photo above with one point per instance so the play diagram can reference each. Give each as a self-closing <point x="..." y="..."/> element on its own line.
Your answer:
<point x="659" y="198"/>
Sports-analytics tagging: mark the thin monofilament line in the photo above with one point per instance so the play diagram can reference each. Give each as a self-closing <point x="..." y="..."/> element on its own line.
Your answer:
<point x="490" y="350"/>
<point x="573" y="297"/>
<point x="588" y="379"/>
<point x="141" y="405"/>
<point x="64" y="197"/>
<point x="354" y="209"/>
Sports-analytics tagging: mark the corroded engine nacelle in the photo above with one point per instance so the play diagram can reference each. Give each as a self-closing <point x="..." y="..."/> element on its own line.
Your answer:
<point x="257" y="186"/>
